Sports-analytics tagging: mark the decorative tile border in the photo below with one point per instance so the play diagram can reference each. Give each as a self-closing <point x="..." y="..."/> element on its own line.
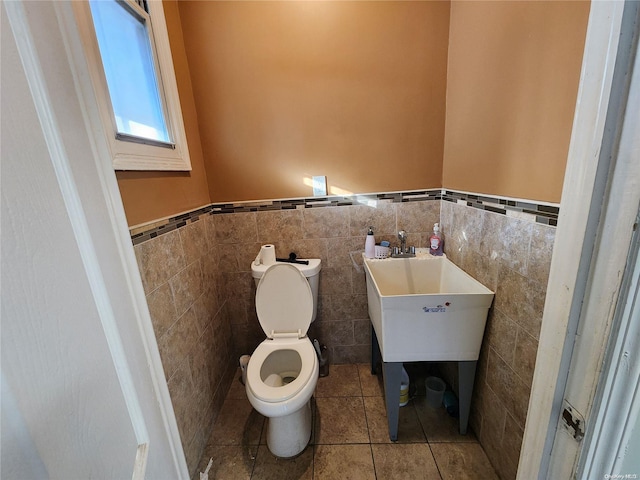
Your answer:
<point x="329" y="201"/>
<point x="535" y="212"/>
<point x="545" y="214"/>
<point x="151" y="230"/>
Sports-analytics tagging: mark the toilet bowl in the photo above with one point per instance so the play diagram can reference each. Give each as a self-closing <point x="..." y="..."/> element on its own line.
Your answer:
<point x="283" y="370"/>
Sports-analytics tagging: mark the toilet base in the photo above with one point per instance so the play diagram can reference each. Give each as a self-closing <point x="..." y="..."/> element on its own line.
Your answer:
<point x="288" y="436"/>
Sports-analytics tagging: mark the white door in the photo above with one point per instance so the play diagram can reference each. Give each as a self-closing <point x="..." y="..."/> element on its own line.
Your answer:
<point x="83" y="394"/>
<point x="587" y="292"/>
<point x="602" y="383"/>
<point x="612" y="439"/>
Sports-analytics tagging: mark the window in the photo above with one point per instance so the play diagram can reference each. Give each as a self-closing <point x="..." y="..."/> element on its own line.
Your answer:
<point x="127" y="48"/>
<point x="127" y="59"/>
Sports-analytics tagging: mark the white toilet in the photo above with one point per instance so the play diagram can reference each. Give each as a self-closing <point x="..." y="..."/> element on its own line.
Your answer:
<point x="283" y="370"/>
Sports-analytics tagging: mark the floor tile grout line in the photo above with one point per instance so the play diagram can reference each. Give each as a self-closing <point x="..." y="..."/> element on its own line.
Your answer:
<point x="435" y="461"/>
<point x="424" y="430"/>
<point x="366" y="417"/>
<point x="373" y="462"/>
<point x="255" y="458"/>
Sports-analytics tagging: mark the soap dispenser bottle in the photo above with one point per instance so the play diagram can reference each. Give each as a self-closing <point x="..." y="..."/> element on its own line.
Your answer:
<point x="370" y="245"/>
<point x="435" y="241"/>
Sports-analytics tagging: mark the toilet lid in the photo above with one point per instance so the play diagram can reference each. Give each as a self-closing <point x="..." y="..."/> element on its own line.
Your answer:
<point x="284" y="302"/>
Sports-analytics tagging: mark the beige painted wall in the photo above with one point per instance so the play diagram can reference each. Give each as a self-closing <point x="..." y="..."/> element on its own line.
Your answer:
<point x="149" y="196"/>
<point x="273" y="92"/>
<point x="285" y="90"/>
<point x="514" y="70"/>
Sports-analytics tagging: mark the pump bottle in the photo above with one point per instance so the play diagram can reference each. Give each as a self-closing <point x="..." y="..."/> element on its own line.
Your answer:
<point x="370" y="245"/>
<point x="435" y="241"/>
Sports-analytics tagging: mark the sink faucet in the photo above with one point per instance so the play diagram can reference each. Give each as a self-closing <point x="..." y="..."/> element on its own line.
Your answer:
<point x="403" y="251"/>
<point x="402" y="235"/>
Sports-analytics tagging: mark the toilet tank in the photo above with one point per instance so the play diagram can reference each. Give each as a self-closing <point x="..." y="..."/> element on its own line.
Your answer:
<point x="311" y="271"/>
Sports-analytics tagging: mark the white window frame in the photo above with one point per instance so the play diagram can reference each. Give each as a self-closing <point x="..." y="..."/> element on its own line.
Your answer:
<point x="129" y="155"/>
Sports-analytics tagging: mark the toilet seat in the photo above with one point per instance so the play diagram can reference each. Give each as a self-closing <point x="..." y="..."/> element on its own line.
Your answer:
<point x="267" y="393"/>
<point x="284" y="302"/>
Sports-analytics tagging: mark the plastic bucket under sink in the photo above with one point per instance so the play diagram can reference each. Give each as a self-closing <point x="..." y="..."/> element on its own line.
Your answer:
<point x="404" y="388"/>
<point x="435" y="391"/>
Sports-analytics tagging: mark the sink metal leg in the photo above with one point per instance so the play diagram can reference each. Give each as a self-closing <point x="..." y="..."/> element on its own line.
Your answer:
<point x="466" y="376"/>
<point x="392" y="372"/>
<point x="375" y="351"/>
<point x="392" y="375"/>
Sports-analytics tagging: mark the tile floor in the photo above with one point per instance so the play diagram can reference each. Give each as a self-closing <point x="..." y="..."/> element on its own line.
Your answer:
<point x="349" y="438"/>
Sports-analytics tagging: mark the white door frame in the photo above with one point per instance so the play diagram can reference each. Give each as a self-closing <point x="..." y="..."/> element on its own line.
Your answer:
<point x="585" y="276"/>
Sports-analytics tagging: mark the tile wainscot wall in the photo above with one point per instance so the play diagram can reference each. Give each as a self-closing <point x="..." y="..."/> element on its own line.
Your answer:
<point x="190" y="318"/>
<point x="196" y="270"/>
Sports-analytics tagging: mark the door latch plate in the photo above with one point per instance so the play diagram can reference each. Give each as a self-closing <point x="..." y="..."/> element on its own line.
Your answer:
<point x="572" y="421"/>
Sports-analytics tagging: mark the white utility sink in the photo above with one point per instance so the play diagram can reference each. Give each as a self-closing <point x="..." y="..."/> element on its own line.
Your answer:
<point x="426" y="309"/>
